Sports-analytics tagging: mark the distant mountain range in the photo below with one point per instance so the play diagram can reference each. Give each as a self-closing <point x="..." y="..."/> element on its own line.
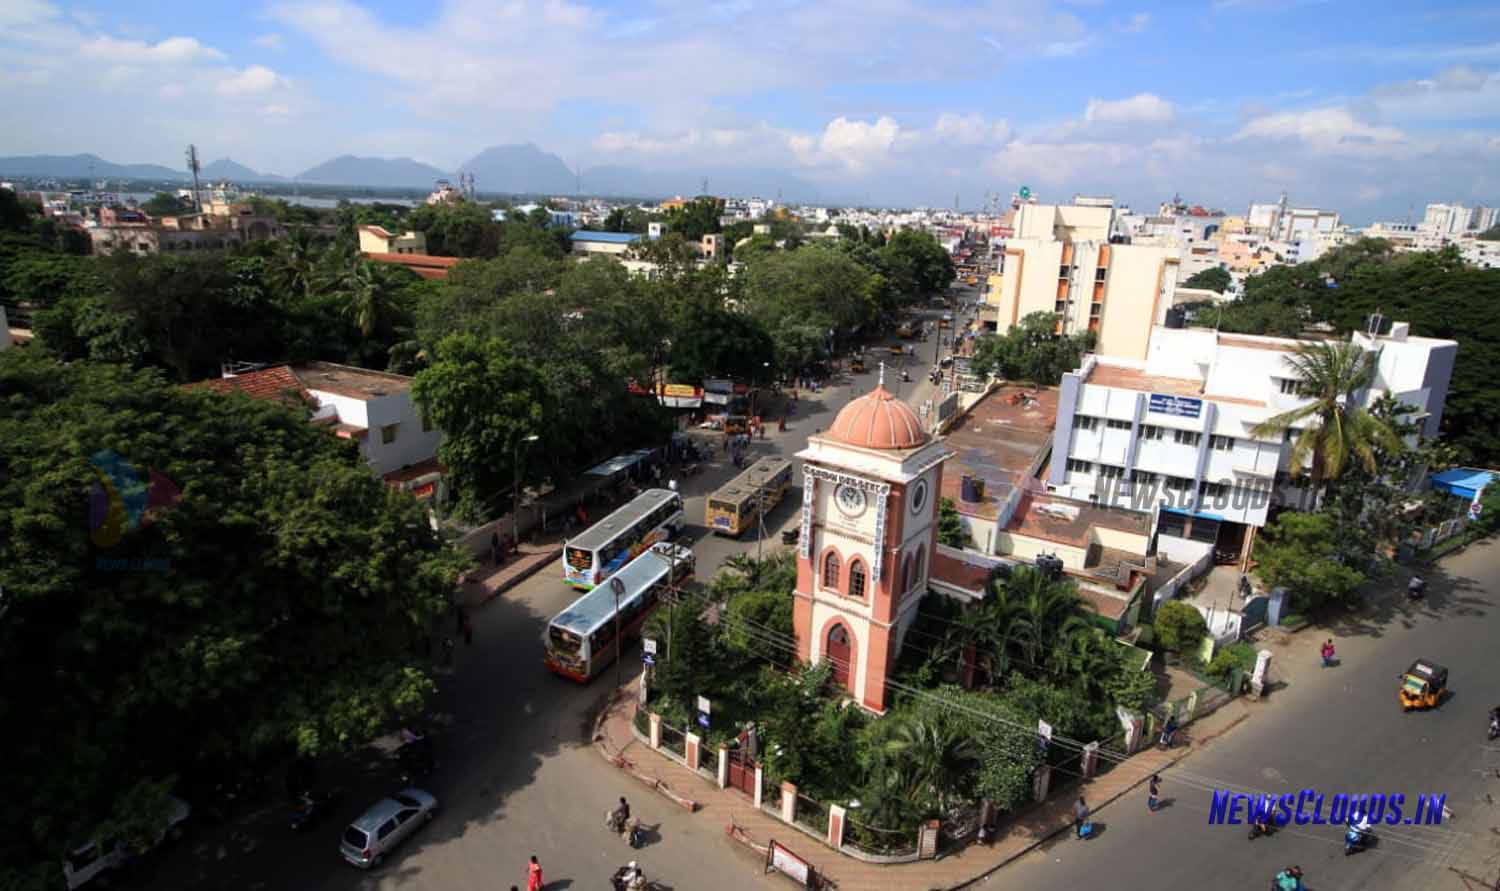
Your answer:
<point x="511" y="169"/>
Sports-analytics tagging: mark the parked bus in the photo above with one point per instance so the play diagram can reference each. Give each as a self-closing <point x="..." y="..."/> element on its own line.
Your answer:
<point x="733" y="508"/>
<point x="652" y="516"/>
<point x="581" y="639"/>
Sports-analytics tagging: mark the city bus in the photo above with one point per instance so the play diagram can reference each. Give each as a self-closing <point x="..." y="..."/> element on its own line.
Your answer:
<point x="581" y="639"/>
<point x="599" y="552"/>
<point x="733" y="508"/>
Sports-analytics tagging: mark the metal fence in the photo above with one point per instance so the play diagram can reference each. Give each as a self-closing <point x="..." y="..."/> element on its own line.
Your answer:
<point x="812" y="814"/>
<point x="885" y="842"/>
<point x="674" y="740"/>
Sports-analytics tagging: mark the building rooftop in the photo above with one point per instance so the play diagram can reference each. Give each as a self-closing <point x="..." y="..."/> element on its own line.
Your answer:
<point x="346" y="380"/>
<point x="425" y="265"/>
<point x="277" y="383"/>
<point x="377" y="230"/>
<point x="1127" y="378"/>
<point x="606" y="237"/>
<point x="1067" y="521"/>
<point x="1001" y="439"/>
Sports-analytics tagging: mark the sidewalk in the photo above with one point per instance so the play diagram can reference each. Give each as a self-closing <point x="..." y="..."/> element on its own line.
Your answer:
<point x="1019" y="834"/>
<point x="490" y="581"/>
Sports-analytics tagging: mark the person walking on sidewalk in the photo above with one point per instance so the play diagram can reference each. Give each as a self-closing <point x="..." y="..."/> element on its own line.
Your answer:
<point x="1080" y="816"/>
<point x="1152" y="792"/>
<point x="1327" y="652"/>
<point x="534" y="880"/>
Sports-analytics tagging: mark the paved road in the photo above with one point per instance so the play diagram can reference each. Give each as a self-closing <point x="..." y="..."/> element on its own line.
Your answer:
<point x="1340" y="730"/>
<point x="517" y="775"/>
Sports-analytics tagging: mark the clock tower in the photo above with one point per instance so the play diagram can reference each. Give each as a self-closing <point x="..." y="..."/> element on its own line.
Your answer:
<point x="869" y="528"/>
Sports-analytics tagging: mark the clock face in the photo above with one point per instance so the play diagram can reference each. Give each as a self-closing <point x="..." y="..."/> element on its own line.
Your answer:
<point x="918" y="496"/>
<point x="850" y="500"/>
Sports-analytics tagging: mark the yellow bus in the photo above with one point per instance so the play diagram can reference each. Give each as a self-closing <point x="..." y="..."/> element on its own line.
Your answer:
<point x="734" y="507"/>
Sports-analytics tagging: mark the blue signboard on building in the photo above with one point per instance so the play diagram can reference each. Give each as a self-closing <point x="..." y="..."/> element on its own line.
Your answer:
<point x="1177" y="406"/>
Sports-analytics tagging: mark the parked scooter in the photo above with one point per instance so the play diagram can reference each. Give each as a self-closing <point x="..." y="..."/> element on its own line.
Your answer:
<point x="309" y="808"/>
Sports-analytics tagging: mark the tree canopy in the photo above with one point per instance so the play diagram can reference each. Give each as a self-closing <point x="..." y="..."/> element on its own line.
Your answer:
<point x="192" y="582"/>
<point x="1032" y="351"/>
<point x="1216" y="279"/>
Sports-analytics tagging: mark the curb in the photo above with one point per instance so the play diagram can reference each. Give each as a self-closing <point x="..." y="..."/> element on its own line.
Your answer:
<point x="1064" y="828"/>
<point x="520" y="577"/>
<point x="618" y="760"/>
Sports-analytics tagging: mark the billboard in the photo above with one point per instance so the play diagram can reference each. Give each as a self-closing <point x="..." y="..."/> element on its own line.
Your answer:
<point x="1176" y="406"/>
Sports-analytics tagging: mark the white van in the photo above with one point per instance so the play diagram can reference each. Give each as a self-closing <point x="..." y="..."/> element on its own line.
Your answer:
<point x="88" y="860"/>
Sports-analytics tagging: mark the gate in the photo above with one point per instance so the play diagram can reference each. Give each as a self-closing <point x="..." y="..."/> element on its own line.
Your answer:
<point x="742" y="767"/>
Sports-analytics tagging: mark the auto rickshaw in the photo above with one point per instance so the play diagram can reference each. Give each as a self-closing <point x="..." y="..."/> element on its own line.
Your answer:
<point x="1423" y="685"/>
<point x="857" y="365"/>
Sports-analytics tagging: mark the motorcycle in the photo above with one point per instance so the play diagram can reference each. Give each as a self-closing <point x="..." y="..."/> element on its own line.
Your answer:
<point x="1259" y="829"/>
<point x="1289" y="879"/>
<point x="629" y="878"/>
<point x="1416" y="587"/>
<point x="1494" y="724"/>
<point x="628" y="829"/>
<point x="1356" y="840"/>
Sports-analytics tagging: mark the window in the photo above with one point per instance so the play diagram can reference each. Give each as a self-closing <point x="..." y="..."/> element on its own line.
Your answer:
<point x="1144" y="477"/>
<point x="1290" y="386"/>
<point x="1187" y="437"/>
<point x="1221" y="443"/>
<point x="1214" y="490"/>
<point x="856" y="579"/>
<point x="1179" y="483"/>
<point x="1111" y="472"/>
<point x="1151" y="431"/>
<point x="1117" y="424"/>
<point x="1085" y="422"/>
<point x="1062" y="271"/>
<point x="1077" y="466"/>
<point x="917" y="566"/>
<point x="388" y="433"/>
<point x="831" y="570"/>
<point x="1099" y="274"/>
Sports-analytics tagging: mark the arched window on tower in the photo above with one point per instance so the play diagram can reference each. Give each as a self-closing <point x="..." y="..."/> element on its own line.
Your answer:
<point x="856" y="578"/>
<point x="831" y="570"/>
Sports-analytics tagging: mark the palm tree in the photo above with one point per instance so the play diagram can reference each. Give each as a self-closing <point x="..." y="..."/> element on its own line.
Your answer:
<point x="1046" y="610"/>
<point x="370" y="300"/>
<point x="1332" y="376"/>
<point x="934" y="757"/>
<point x="294" y="269"/>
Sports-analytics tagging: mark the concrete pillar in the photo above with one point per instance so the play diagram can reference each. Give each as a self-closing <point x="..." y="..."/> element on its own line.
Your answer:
<point x="723" y="766"/>
<point x="760" y="785"/>
<point x="694" y="751"/>
<point x="655" y="730"/>
<point x="1192" y="707"/>
<point x="1131" y="722"/>
<point x="788" y="802"/>
<point x="835" y="826"/>
<point x="1041" y="782"/>
<point x="1090" y="759"/>
<point x="1258" y="678"/>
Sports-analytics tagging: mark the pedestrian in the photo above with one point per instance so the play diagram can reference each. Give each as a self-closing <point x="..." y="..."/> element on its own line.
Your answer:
<point x="534" y="875"/>
<point x="1080" y="816"/>
<point x="762" y="431"/>
<point x="468" y="632"/>
<point x="672" y="485"/>
<point x="495" y="547"/>
<point x="447" y="651"/>
<point x="656" y="472"/>
<point x="781" y="424"/>
<point x="1327" y="652"/>
<point x="1152" y="792"/>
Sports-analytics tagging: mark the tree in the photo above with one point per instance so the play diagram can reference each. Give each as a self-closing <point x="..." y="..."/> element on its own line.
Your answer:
<point x="459" y="229"/>
<point x="1032" y="351"/>
<point x="164" y="204"/>
<point x="818" y="286"/>
<point x="1216" y="279"/>
<point x="1179" y="627"/>
<point x="1299" y="552"/>
<point x="485" y="401"/>
<point x="916" y="263"/>
<point x="697" y="218"/>
<point x="627" y="219"/>
<point x="937" y="757"/>
<point x="951" y="530"/>
<point x="1332" y="376"/>
<point x="246" y="590"/>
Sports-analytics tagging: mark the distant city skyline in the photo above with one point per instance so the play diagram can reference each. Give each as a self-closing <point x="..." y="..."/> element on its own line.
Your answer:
<point x="1371" y="112"/>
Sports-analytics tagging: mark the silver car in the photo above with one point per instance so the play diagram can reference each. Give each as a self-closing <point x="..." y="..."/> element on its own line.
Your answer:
<point x="382" y="827"/>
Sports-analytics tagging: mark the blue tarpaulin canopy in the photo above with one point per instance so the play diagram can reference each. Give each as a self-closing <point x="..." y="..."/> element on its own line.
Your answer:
<point x="1463" y="482"/>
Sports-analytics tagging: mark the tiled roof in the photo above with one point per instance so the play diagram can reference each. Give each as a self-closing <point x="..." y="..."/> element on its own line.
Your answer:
<point x="878" y="420"/>
<point x="606" y="237"/>
<point x="276" y="383"/>
<point x="425" y="265"/>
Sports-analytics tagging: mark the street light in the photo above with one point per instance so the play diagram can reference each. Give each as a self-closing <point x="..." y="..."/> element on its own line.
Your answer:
<point x="515" y="495"/>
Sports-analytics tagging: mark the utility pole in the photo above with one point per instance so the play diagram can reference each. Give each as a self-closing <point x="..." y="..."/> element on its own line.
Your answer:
<point x="195" y="167"/>
<point x="616" y="586"/>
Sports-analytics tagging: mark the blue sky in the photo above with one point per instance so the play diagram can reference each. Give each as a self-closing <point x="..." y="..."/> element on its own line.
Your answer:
<point x="1368" y="107"/>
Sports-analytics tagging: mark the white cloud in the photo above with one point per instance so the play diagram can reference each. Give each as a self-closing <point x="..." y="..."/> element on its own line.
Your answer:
<point x="854" y="145"/>
<point x="252" y="80"/>
<point x="1142" y="108"/>
<point x="172" y="51"/>
<point x="1322" y="128"/>
<point x="270" y="41"/>
<point x="14" y="13"/>
<point x="971" y="129"/>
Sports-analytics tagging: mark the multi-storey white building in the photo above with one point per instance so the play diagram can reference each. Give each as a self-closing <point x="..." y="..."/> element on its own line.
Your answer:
<point x="1173" y="434"/>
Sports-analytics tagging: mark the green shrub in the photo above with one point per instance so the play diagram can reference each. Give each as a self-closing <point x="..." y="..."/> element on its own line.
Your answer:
<point x="1241" y="656"/>
<point x="1180" y="627"/>
<point x="1292" y="619"/>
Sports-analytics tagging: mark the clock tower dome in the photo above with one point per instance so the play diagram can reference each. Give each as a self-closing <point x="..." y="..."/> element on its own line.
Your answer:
<point x="869" y="529"/>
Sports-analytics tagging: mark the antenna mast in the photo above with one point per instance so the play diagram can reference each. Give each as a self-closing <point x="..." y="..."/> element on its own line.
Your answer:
<point x="195" y="167"/>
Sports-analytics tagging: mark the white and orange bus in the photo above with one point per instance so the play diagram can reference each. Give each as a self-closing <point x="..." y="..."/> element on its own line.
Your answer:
<point x="602" y="549"/>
